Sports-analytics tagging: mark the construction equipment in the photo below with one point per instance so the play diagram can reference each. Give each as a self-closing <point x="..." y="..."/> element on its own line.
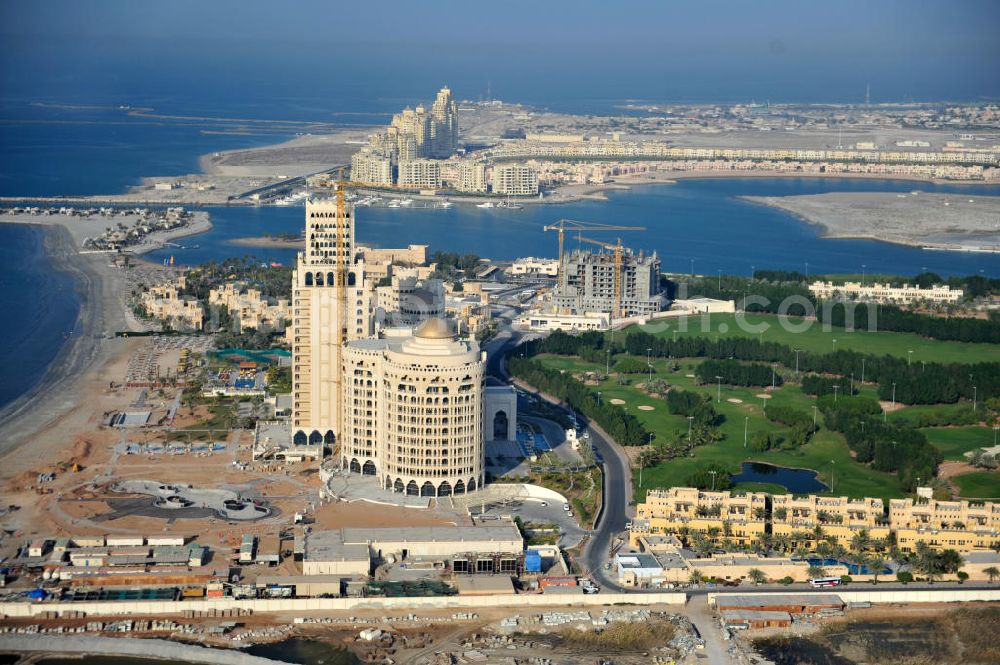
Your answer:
<point x="575" y="225"/>
<point x="616" y="310"/>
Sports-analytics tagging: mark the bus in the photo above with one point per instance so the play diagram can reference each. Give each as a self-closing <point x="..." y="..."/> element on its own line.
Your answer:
<point x="820" y="582"/>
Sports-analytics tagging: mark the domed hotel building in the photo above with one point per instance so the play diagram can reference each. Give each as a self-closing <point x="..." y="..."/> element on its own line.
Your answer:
<point x="413" y="410"/>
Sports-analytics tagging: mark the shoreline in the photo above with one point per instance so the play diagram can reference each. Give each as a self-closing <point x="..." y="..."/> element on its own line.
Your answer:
<point x="830" y="233"/>
<point x="102" y="309"/>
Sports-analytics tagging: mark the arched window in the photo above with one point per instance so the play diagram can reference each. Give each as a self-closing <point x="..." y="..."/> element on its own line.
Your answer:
<point x="300" y="438"/>
<point x="309" y="279"/>
<point x="329" y="279"/>
<point x="398" y="485"/>
<point x="444" y="489"/>
<point x="319" y="279"/>
<point x="328" y="438"/>
<point x="315" y="438"/>
<point x="459" y="487"/>
<point x="472" y="485"/>
<point x="500" y="426"/>
<point x="351" y="279"/>
<point x="412" y="489"/>
<point x="355" y="466"/>
<point x="368" y="469"/>
<point x="427" y="489"/>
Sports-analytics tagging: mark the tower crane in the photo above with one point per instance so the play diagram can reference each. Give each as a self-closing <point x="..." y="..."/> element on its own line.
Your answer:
<point x="575" y="225"/>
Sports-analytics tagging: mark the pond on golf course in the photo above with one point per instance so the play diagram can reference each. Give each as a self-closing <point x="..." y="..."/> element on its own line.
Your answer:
<point x="796" y="481"/>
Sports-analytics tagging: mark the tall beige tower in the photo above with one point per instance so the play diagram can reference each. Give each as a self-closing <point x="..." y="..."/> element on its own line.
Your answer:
<point x="331" y="304"/>
<point x="444" y="125"/>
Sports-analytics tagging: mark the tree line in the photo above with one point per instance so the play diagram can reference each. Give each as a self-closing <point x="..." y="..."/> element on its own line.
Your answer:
<point x="622" y="426"/>
<point x="915" y="383"/>
<point x="885" y="446"/>
<point x="822" y="385"/>
<point x="801" y="425"/>
<point x="735" y="373"/>
<point x="775" y="287"/>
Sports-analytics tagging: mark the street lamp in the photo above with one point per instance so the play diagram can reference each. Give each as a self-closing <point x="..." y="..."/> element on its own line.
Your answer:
<point x="720" y="280"/>
<point x="863" y="266"/>
<point x="894" y="395"/>
<point x="909" y="357"/>
<point x="796" y="350"/>
<point x="718" y="396"/>
<point x="598" y="398"/>
<point x="649" y="364"/>
<point x="862" y="371"/>
<point x="607" y="364"/>
<point x="974" y="395"/>
<point x="746" y="422"/>
<point x="814" y="416"/>
<point x="836" y="390"/>
<point x="690" y="423"/>
<point x="835" y="344"/>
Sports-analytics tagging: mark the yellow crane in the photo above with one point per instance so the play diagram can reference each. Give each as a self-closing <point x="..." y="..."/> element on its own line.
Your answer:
<point x="576" y="225"/>
<point x="616" y="309"/>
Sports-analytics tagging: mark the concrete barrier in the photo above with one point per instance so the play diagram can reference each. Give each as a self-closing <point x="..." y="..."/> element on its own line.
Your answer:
<point x="895" y="596"/>
<point x="124" y="646"/>
<point x="151" y="607"/>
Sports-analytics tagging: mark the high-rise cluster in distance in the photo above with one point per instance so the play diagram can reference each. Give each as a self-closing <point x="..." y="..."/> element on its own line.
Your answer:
<point x="405" y="151"/>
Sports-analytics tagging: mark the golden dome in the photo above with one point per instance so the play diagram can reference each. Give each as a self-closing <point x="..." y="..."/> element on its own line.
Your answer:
<point x="435" y="328"/>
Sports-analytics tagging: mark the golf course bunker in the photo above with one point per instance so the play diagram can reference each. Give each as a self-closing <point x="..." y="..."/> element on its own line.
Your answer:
<point x="617" y="401"/>
<point x="762" y="396"/>
<point x="645" y="407"/>
<point x="734" y="400"/>
<point x="186" y="501"/>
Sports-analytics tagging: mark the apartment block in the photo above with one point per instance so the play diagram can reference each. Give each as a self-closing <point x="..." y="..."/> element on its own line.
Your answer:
<point x="165" y="302"/>
<point x="741" y="518"/>
<point x="515" y="180"/>
<point x="837" y="516"/>
<point x="885" y="293"/>
<point x="420" y="174"/>
<point x="250" y="307"/>
<point x="959" y="525"/>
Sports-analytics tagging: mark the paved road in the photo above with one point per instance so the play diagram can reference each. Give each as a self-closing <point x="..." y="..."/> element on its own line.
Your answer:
<point x="617" y="483"/>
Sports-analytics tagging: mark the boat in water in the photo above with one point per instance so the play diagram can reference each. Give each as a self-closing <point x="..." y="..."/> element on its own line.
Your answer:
<point x="487" y="204"/>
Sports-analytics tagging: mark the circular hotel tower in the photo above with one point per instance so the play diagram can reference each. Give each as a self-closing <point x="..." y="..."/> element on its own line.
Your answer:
<point x="414" y="410"/>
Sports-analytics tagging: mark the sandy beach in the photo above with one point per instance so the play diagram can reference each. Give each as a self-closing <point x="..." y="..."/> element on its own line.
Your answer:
<point x="963" y="222"/>
<point x="77" y="374"/>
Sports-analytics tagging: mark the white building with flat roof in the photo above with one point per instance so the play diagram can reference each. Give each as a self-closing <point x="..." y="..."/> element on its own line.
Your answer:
<point x="885" y="293"/>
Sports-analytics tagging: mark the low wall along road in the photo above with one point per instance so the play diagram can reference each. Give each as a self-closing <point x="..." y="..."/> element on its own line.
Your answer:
<point x="898" y="596"/>
<point x="112" y="608"/>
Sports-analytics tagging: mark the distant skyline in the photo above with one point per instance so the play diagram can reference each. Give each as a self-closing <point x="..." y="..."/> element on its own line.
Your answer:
<point x="537" y="52"/>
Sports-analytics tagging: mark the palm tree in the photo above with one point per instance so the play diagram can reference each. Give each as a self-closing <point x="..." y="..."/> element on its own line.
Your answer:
<point x="992" y="572"/>
<point x="695" y="576"/>
<point x="757" y="576"/>
<point x="861" y="541"/>
<point x="876" y="563"/>
<point x="816" y="571"/>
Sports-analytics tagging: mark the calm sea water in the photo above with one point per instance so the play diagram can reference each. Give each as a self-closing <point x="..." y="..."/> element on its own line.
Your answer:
<point x="40" y="307"/>
<point x="704" y="220"/>
<point x="91" y="146"/>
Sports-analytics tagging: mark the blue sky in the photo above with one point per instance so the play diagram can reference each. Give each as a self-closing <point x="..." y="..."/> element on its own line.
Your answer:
<point x="724" y="50"/>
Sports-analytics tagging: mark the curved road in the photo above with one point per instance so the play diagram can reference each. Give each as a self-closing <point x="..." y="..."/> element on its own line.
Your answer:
<point x="617" y="477"/>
